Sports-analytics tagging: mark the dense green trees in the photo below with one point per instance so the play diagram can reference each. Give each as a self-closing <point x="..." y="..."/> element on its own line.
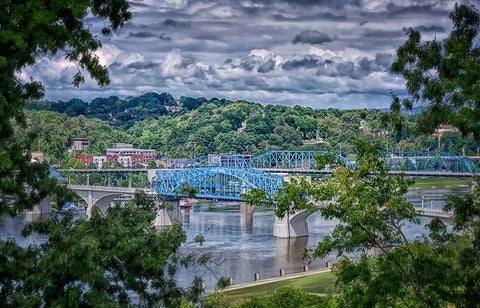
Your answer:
<point x="116" y="111"/>
<point x="54" y="131"/>
<point x="250" y="128"/>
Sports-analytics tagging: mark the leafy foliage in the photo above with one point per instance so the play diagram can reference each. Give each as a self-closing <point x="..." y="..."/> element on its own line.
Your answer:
<point x="118" y="112"/>
<point x="286" y="297"/>
<point x="32" y="30"/>
<point x="103" y="261"/>
<point x="444" y="75"/>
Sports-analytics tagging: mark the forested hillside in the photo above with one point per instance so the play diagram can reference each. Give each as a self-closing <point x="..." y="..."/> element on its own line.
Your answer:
<point x="200" y="126"/>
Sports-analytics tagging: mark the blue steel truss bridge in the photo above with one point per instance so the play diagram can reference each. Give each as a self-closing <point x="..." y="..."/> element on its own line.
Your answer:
<point x="272" y="161"/>
<point x="226" y="177"/>
<point x="410" y="163"/>
<point x="217" y="183"/>
<point x="429" y="163"/>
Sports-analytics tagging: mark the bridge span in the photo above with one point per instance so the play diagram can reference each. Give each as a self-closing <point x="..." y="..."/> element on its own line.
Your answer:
<point x="293" y="225"/>
<point x="102" y="196"/>
<point x="410" y="163"/>
<point x="226" y="177"/>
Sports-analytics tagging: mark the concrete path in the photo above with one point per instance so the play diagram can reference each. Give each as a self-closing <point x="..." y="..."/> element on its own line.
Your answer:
<point x="274" y="279"/>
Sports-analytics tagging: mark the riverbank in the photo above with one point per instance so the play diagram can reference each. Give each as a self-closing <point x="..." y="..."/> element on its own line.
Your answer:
<point x="320" y="282"/>
<point x="446" y="182"/>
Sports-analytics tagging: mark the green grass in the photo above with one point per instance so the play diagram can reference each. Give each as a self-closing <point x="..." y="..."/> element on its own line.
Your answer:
<point x="442" y="182"/>
<point x="321" y="283"/>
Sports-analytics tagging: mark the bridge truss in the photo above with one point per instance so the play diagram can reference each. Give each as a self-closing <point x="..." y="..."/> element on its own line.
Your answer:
<point x="217" y="160"/>
<point x="218" y="183"/>
<point x="428" y="161"/>
<point x="292" y="160"/>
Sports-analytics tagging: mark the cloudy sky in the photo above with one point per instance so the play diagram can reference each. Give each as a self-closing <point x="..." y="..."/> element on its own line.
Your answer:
<point x="317" y="53"/>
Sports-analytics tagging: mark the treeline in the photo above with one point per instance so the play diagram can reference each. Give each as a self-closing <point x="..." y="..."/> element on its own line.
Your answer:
<point x="116" y="111"/>
<point x="198" y="126"/>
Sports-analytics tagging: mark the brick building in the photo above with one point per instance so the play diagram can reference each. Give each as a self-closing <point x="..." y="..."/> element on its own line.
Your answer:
<point x="123" y="153"/>
<point x="84" y="159"/>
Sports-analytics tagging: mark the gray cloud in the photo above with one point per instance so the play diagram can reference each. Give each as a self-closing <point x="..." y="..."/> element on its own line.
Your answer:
<point x="175" y="23"/>
<point x="383" y="34"/>
<point x="304" y="63"/>
<point x="142" y="65"/>
<point x="164" y="37"/>
<point x="142" y="34"/>
<point x="319" y="53"/>
<point x="426" y="29"/>
<point x="384" y="59"/>
<point x="266" y="67"/>
<point x="311" y="37"/>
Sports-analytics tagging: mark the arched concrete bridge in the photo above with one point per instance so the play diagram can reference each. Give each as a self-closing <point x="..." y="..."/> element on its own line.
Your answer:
<point x="102" y="196"/>
<point x="296" y="225"/>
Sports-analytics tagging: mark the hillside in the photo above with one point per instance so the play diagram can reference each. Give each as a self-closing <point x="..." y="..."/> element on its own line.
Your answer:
<point x="201" y="126"/>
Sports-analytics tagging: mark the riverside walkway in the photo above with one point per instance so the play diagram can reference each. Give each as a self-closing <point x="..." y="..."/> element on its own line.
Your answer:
<point x="272" y="279"/>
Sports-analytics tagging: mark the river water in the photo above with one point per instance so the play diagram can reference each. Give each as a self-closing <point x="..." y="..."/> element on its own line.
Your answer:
<point x="240" y="240"/>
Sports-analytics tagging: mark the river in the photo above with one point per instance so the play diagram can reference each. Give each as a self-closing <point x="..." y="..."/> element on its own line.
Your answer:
<point x="240" y="241"/>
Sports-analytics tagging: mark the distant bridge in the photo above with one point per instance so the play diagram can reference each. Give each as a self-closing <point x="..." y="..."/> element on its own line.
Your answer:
<point x="226" y="177"/>
<point x="429" y="162"/>
<point x="272" y="161"/>
<point x="410" y="163"/>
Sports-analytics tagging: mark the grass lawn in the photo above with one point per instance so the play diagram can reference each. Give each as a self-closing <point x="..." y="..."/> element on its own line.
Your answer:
<point x="321" y="283"/>
<point x="442" y="182"/>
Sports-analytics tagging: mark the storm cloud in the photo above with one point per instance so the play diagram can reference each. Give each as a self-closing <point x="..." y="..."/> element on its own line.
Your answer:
<point x="311" y="37"/>
<point x="314" y="53"/>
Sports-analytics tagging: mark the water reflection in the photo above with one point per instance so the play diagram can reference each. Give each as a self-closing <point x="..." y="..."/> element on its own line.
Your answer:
<point x="246" y="218"/>
<point x="289" y="253"/>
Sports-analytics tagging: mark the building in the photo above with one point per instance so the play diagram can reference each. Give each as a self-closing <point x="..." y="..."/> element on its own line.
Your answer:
<point x="37" y="156"/>
<point x="121" y="151"/>
<point x="439" y="131"/>
<point x="172" y="163"/>
<point x="79" y="144"/>
<point x="84" y="159"/>
<point x="99" y="160"/>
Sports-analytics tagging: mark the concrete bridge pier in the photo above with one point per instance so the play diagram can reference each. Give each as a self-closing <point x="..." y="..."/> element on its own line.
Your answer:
<point x="168" y="214"/>
<point x="292" y="225"/>
<point x="40" y="211"/>
<point x="102" y="203"/>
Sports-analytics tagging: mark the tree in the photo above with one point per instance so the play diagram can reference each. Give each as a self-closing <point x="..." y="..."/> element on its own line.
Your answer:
<point x="99" y="262"/>
<point x="30" y="31"/>
<point x="83" y="263"/>
<point x="444" y="75"/>
<point x="371" y="211"/>
<point x="151" y="165"/>
<point x="78" y="165"/>
<point x="466" y="219"/>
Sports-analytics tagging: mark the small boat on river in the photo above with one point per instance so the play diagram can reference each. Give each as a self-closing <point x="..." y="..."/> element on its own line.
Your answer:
<point x="185" y="202"/>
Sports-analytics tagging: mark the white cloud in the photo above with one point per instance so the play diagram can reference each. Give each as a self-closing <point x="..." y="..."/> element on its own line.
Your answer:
<point x="108" y="54"/>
